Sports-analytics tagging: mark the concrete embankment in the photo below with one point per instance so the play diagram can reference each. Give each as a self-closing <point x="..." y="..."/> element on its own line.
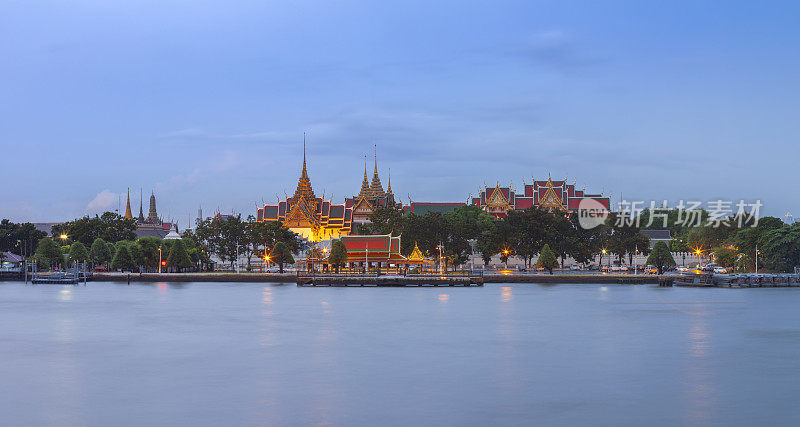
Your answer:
<point x="196" y="277"/>
<point x="572" y="278"/>
<point x="292" y="278"/>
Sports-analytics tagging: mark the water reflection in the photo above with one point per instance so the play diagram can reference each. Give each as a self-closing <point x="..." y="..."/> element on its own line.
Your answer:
<point x="444" y="297"/>
<point x="700" y="389"/>
<point x="65" y="295"/>
<point x="506" y="295"/>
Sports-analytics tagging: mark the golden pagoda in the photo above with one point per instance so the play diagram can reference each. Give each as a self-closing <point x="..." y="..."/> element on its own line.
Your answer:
<point x="306" y="214"/>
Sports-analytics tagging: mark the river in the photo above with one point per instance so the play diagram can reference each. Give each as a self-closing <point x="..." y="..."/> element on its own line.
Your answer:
<point x="253" y="354"/>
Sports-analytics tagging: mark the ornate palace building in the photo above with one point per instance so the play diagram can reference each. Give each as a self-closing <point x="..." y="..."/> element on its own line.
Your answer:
<point x="553" y="195"/>
<point x="306" y="214"/>
<point x="371" y="197"/>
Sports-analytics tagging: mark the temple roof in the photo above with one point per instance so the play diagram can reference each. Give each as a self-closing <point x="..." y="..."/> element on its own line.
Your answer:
<point x="376" y="188"/>
<point x="128" y="213"/>
<point x="304" y="190"/>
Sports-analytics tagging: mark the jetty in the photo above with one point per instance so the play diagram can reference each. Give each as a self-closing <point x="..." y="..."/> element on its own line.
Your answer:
<point x="462" y="279"/>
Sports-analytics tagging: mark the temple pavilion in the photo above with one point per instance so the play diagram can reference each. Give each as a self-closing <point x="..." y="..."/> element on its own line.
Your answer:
<point x="312" y="217"/>
<point x="372" y="196"/>
<point x="549" y="194"/>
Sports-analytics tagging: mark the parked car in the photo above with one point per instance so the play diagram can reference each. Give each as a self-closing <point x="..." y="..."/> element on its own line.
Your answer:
<point x="682" y="268"/>
<point x="575" y="267"/>
<point x="720" y="270"/>
<point x="593" y="267"/>
<point x="649" y="269"/>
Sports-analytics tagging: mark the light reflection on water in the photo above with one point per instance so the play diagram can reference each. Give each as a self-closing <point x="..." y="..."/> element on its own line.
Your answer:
<point x="227" y="354"/>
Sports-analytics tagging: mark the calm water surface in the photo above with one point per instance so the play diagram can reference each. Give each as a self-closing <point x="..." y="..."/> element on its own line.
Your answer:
<point x="245" y="354"/>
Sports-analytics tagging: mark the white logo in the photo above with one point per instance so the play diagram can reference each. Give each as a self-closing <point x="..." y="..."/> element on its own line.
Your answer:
<point x="591" y="213"/>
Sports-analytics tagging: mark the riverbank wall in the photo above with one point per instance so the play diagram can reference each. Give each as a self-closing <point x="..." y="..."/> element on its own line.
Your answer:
<point x="292" y="278"/>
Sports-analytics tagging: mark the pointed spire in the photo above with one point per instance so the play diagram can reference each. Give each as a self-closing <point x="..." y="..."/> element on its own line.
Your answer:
<point x="304" y="173"/>
<point x="141" y="205"/>
<point x="304" y="189"/>
<point x="365" y="191"/>
<point x="389" y="182"/>
<point x="128" y="214"/>
<point x="377" y="188"/>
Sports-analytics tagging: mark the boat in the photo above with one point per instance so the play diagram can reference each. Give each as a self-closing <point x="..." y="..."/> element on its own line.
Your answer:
<point x="695" y="279"/>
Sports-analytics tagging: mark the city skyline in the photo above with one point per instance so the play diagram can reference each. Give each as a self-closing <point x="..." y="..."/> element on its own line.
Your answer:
<point x="207" y="105"/>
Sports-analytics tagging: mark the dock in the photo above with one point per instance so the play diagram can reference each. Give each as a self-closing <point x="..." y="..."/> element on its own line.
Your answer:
<point x="374" y="280"/>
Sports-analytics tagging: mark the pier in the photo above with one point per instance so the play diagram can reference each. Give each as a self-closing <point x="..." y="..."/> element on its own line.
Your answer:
<point x="461" y="279"/>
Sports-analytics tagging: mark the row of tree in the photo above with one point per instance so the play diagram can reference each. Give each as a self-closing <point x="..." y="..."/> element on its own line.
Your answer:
<point x="522" y="233"/>
<point x="142" y="254"/>
<point x="228" y="237"/>
<point x="20" y="239"/>
<point x="733" y="242"/>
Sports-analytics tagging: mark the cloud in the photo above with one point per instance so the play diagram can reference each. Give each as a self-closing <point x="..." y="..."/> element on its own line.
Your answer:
<point x="104" y="201"/>
<point x="198" y="134"/>
<point x="555" y="49"/>
<point x="221" y="164"/>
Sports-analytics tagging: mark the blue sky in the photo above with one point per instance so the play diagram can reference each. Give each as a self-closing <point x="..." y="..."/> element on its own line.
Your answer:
<point x="206" y="102"/>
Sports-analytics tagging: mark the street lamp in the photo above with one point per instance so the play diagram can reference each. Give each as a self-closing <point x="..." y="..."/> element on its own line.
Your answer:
<point x="601" y="260"/>
<point x="159" y="260"/>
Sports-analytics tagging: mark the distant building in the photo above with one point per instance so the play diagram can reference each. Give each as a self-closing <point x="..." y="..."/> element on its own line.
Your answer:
<point x="422" y="208"/>
<point x="150" y="226"/>
<point x="552" y="195"/>
<point x="657" y="236"/>
<point x="371" y="197"/>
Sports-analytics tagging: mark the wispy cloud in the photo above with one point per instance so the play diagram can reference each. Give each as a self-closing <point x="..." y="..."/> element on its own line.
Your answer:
<point x="211" y="169"/>
<point x="103" y="201"/>
<point x="555" y="49"/>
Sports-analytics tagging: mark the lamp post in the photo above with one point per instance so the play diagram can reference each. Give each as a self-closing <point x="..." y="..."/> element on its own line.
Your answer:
<point x="756" y="258"/>
<point x="601" y="260"/>
<point x="159" y="260"/>
<point x="472" y="243"/>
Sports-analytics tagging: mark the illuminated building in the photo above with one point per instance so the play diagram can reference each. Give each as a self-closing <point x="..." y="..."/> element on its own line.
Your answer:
<point x="306" y="214"/>
<point x="551" y="195"/>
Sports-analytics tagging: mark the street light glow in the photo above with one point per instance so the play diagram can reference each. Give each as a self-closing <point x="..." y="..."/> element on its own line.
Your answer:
<point x="64" y="236"/>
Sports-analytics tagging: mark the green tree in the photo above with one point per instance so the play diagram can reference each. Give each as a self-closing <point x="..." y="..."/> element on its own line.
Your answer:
<point x="338" y="255"/>
<point x="281" y="254"/>
<point x="109" y="226"/>
<point x="178" y="257"/>
<point x="78" y="252"/>
<point x="122" y="259"/>
<point x="49" y="253"/>
<point x="149" y="250"/>
<point x="99" y="252"/>
<point x="660" y="257"/>
<point x="781" y="249"/>
<point x="725" y="256"/>
<point x="547" y="259"/>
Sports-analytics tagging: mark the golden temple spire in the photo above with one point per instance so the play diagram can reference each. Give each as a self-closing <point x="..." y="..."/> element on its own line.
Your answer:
<point x="389" y="186"/>
<point x="128" y="213"/>
<point x="304" y="173"/>
<point x="304" y="190"/>
<point x="365" y="191"/>
<point x="377" y="188"/>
